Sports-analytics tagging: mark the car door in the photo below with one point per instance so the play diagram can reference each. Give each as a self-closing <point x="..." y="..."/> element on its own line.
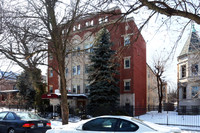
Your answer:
<point x="2" y="123"/>
<point x="10" y="121"/>
<point x="99" y="125"/>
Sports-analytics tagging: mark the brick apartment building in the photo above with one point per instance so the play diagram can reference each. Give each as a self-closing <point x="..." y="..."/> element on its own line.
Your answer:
<point x="131" y="52"/>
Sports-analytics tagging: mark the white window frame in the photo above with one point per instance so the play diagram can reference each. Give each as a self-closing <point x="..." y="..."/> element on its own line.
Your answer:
<point x="127" y="59"/>
<point x="182" y="71"/>
<point x="127" y="81"/>
<point x="127" y="40"/>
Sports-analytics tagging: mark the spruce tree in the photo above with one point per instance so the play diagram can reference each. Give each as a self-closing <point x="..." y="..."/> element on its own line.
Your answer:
<point x="27" y="91"/>
<point x="104" y="90"/>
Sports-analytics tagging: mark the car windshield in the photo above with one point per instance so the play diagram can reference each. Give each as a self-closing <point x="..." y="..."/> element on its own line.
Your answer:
<point x="28" y="116"/>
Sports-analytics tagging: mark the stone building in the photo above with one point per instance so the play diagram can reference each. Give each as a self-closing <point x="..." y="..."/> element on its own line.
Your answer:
<point x="189" y="76"/>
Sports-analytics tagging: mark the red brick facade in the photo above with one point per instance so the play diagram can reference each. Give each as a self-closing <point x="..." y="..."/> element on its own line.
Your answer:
<point x="134" y="52"/>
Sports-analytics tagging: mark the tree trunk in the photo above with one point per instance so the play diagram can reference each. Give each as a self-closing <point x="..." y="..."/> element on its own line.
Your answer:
<point x="160" y="106"/>
<point x="63" y="91"/>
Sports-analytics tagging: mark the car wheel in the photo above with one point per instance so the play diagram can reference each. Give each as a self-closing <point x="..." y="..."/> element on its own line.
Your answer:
<point x="11" y="130"/>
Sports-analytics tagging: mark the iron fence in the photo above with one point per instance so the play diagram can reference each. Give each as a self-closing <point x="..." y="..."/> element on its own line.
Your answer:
<point x="174" y="118"/>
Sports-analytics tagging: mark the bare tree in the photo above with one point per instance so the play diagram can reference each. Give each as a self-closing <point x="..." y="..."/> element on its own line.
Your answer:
<point x="185" y="8"/>
<point x="159" y="68"/>
<point x="45" y="26"/>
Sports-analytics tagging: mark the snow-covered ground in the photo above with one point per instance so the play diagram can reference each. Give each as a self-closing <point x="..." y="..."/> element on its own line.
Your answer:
<point x="171" y="118"/>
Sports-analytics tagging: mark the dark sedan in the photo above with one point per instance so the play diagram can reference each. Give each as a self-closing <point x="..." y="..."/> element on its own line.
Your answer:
<point x="22" y="122"/>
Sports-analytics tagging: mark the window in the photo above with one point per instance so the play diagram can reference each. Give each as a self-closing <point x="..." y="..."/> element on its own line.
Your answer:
<point x="50" y="56"/>
<point x="126" y="126"/>
<point x="89" y="23"/>
<point x="126" y="40"/>
<point x="195" y="92"/>
<point x="92" y="23"/>
<point x="74" y="70"/>
<point x="2" y="115"/>
<point x="100" y="124"/>
<point x="89" y="48"/>
<point x="78" y="89"/>
<point x="184" y="92"/>
<point x="78" y="70"/>
<point x="103" y="20"/>
<point x="74" y="89"/>
<point x="183" y="71"/>
<point x="100" y="20"/>
<point x="50" y="89"/>
<point x="50" y="73"/>
<point x="126" y="62"/>
<point x="77" y="27"/>
<point x="74" y="28"/>
<point x="194" y="69"/>
<point x="78" y="50"/>
<point x="10" y="116"/>
<point x="127" y="85"/>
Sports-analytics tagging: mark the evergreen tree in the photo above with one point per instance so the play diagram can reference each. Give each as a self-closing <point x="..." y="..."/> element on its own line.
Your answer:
<point x="26" y="89"/>
<point x="104" y="91"/>
<point x="30" y="96"/>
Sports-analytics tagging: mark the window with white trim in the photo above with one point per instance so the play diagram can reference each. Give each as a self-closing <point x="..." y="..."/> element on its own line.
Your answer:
<point x="89" y="23"/>
<point x="127" y="84"/>
<point x="183" y="71"/>
<point x="127" y="63"/>
<point x="103" y="19"/>
<point x="127" y="40"/>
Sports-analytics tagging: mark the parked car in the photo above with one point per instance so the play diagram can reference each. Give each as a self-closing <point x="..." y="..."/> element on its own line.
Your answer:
<point x="113" y="124"/>
<point x="22" y="122"/>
